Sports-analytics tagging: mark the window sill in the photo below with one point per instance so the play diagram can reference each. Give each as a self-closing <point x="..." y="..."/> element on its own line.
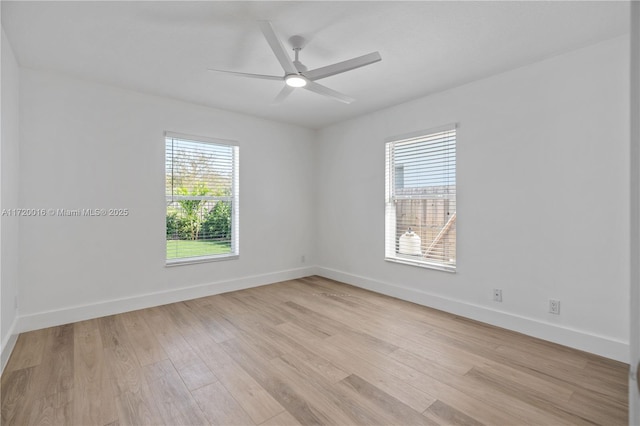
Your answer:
<point x="421" y="264"/>
<point x="203" y="259"/>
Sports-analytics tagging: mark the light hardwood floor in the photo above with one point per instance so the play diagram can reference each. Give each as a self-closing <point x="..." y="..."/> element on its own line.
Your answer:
<point x="308" y="351"/>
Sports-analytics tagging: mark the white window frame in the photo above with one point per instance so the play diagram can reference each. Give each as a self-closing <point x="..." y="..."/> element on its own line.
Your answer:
<point x="234" y="198"/>
<point x="391" y="237"/>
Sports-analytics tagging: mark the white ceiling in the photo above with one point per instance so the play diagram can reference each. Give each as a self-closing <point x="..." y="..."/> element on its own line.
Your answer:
<point x="164" y="48"/>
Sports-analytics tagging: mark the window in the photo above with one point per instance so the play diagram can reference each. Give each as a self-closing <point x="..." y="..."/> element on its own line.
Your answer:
<point x="201" y="180"/>
<point x="420" y="213"/>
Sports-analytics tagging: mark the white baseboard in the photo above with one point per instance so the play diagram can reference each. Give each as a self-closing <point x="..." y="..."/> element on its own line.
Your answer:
<point x="110" y="307"/>
<point x="578" y="339"/>
<point x="9" y="342"/>
<point x="600" y="345"/>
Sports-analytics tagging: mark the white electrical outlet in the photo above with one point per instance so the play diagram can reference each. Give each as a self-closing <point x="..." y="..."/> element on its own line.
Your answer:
<point x="303" y="258"/>
<point x="497" y="295"/>
<point x="554" y="306"/>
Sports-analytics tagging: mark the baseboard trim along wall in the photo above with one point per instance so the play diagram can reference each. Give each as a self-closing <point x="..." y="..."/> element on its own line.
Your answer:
<point x="110" y="307"/>
<point x="8" y="344"/>
<point x="577" y="339"/>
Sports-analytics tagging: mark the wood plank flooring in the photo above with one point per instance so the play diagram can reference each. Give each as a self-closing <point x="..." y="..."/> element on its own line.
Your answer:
<point x="308" y="351"/>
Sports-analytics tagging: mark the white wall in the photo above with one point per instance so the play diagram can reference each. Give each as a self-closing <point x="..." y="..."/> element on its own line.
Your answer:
<point x="543" y="184"/>
<point x="9" y="159"/>
<point x="85" y="145"/>
<point x="634" y="386"/>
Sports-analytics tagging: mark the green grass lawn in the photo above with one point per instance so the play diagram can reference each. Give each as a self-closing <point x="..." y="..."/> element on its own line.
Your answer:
<point x="187" y="248"/>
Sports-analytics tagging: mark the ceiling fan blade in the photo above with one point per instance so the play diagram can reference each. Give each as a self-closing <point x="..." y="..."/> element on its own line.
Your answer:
<point x="244" y="74"/>
<point x="286" y="91"/>
<point x="343" y="66"/>
<point x="322" y="90"/>
<point x="277" y="47"/>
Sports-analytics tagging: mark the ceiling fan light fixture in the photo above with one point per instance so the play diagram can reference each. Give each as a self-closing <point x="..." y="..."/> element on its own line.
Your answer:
<point x="295" y="81"/>
<point x="296" y="75"/>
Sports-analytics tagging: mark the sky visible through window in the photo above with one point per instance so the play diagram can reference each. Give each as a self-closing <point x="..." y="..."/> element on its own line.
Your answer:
<point x="430" y="162"/>
<point x="192" y="163"/>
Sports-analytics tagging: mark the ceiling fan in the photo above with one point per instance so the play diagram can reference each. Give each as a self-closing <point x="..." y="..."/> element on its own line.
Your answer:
<point x="296" y="75"/>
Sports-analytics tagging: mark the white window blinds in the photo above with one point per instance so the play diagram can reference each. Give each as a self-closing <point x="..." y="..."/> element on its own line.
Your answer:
<point x="420" y="213"/>
<point x="201" y="180"/>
